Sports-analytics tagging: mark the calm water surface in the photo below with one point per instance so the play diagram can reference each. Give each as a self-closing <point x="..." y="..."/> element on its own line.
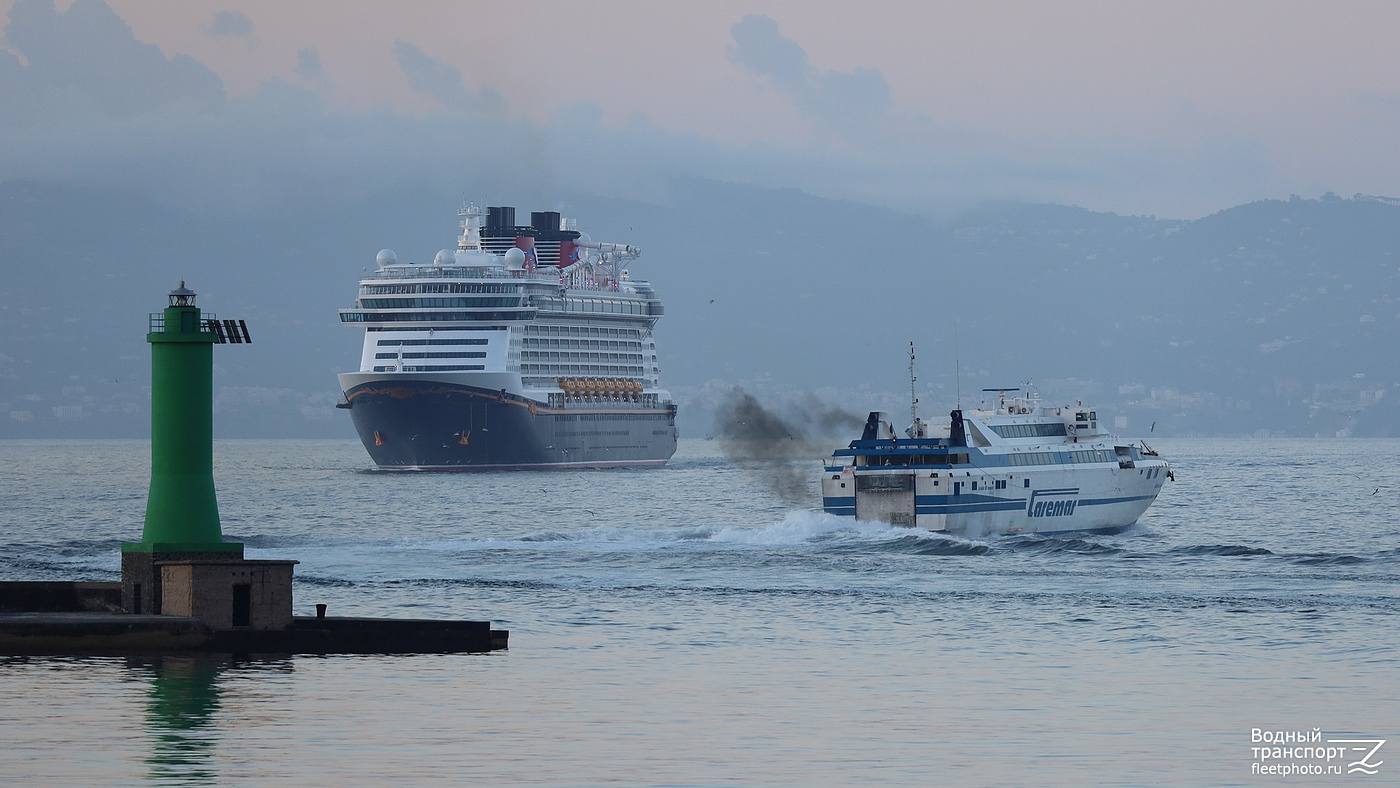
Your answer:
<point x="687" y="626"/>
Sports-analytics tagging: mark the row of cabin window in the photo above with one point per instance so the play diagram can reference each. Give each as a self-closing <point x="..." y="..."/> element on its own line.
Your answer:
<point x="429" y="329"/>
<point x="595" y="305"/>
<point x="579" y="370"/>
<point x="1019" y="459"/>
<point x="425" y="303"/>
<point x="430" y="317"/>
<point x="544" y="355"/>
<point x="459" y="354"/>
<point x="436" y="287"/>
<point x="582" y="344"/>
<point x="893" y="460"/>
<point x="433" y="368"/>
<point x="546" y="330"/>
<point x="550" y="331"/>
<point x="1056" y="429"/>
<point x="1050" y="458"/>
<point x="401" y="342"/>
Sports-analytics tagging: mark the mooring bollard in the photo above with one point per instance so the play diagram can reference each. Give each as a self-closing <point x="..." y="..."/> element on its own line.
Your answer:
<point x="320" y="611"/>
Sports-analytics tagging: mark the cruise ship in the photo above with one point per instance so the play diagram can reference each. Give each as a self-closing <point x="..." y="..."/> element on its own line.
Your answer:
<point x="527" y="346"/>
<point x="1018" y="467"/>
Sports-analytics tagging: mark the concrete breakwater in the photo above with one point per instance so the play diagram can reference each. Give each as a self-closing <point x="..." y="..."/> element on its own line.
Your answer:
<point x="63" y="617"/>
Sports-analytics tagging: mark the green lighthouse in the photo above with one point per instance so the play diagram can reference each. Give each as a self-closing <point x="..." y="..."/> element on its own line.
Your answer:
<point x="182" y="512"/>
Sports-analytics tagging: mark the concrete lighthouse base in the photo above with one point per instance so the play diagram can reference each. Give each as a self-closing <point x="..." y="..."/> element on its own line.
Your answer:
<point x="141" y="579"/>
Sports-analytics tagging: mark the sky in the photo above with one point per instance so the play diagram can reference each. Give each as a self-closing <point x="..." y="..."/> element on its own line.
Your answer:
<point x="1172" y="109"/>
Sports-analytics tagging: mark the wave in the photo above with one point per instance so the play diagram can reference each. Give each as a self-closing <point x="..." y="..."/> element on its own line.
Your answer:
<point x="1058" y="544"/>
<point x="304" y="578"/>
<point x="81" y="568"/>
<point x="1326" y="559"/>
<point x="477" y="582"/>
<point x="1388" y="555"/>
<point x="940" y="544"/>
<point x="1302" y="559"/>
<point x="1222" y="549"/>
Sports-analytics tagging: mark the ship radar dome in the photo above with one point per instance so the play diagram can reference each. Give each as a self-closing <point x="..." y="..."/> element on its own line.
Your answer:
<point x="445" y="257"/>
<point x="515" y="258"/>
<point x="386" y="257"/>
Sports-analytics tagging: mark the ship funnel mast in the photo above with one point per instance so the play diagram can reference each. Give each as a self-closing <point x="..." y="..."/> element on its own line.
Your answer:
<point x="916" y="428"/>
<point x="913" y="400"/>
<point x="473" y="219"/>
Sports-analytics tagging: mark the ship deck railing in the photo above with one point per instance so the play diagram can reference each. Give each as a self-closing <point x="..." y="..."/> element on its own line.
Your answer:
<point x="900" y="445"/>
<point x="550" y="275"/>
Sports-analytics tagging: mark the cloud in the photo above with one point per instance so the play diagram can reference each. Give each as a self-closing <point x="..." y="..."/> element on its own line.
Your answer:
<point x="230" y="24"/>
<point x="87" y="58"/>
<point x="759" y="48"/>
<point x="308" y="64"/>
<point x="838" y="98"/>
<point x="85" y="103"/>
<point x="442" y="81"/>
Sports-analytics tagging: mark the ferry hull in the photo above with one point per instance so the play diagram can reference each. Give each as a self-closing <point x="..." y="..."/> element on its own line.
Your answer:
<point x="1105" y="500"/>
<point x="435" y="425"/>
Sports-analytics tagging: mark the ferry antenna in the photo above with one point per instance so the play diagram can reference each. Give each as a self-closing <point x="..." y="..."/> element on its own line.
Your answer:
<point x="957" y="365"/>
<point x="913" y="397"/>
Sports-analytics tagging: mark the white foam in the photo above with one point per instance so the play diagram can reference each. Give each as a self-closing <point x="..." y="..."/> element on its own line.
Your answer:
<point x="797" y="527"/>
<point x="806" y="525"/>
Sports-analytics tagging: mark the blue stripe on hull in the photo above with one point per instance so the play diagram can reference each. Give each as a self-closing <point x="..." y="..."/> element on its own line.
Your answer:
<point x="945" y="505"/>
<point x="1103" y="501"/>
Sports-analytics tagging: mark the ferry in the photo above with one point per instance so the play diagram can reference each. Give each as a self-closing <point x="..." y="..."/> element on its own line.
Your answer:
<point x="1020" y="467"/>
<point x="527" y="346"/>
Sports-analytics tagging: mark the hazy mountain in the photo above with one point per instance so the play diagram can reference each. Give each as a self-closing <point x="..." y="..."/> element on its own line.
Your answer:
<point x="1274" y="316"/>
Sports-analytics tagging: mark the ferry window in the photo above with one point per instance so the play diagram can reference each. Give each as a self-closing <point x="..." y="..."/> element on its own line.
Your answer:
<point x="1029" y="430"/>
<point x="1027" y="482"/>
<point x="456" y="354"/>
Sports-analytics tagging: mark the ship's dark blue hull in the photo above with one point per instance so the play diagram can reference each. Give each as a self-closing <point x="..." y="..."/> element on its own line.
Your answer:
<point x="430" y="425"/>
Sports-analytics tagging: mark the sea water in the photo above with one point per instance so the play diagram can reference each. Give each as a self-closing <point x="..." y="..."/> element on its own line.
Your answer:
<point x="688" y="625"/>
